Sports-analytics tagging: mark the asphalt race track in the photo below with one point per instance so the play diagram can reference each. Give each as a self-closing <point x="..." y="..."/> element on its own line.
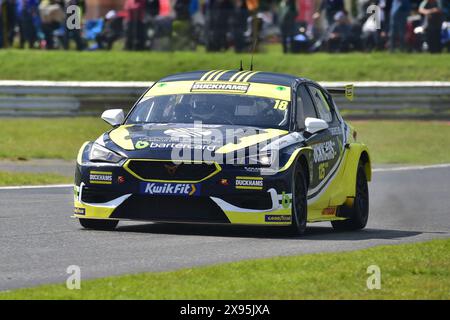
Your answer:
<point x="39" y="240"/>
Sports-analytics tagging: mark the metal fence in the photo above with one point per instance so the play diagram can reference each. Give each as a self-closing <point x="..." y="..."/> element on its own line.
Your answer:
<point x="372" y="99"/>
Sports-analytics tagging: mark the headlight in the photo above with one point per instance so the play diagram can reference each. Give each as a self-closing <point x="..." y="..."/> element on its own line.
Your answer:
<point x="99" y="153"/>
<point x="260" y="160"/>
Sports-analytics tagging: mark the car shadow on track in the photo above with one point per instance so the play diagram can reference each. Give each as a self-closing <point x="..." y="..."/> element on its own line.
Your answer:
<point x="312" y="232"/>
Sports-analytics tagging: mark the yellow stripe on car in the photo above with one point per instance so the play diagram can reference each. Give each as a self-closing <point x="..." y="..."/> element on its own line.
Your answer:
<point x="80" y="153"/>
<point x="254" y="89"/>
<point x="217" y="77"/>
<point x="121" y="137"/>
<point x="251" y="140"/>
<point x="211" y="76"/>
<point x="206" y="75"/>
<point x="236" y="75"/>
<point x="241" y="76"/>
<point x="247" y="78"/>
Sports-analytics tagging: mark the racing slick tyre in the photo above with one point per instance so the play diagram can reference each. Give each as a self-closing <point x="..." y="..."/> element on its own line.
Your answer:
<point x="299" y="201"/>
<point x="358" y="213"/>
<point x="99" y="224"/>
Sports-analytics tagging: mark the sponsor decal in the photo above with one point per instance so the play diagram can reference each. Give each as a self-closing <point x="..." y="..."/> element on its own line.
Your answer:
<point x="220" y="87"/>
<point x="187" y="132"/>
<point x="141" y="145"/>
<point x="277" y="218"/>
<point x="252" y="169"/>
<point x="80" y="211"/>
<point x="176" y="189"/>
<point x="173" y="145"/>
<point x="323" y="170"/>
<point x="285" y="200"/>
<point x="324" y="151"/>
<point x="250" y="183"/>
<point x="100" y="177"/>
<point x="335" y="131"/>
<point x="349" y="92"/>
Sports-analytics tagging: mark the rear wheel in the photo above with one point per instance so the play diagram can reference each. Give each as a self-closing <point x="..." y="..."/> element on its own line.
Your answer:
<point x="358" y="213"/>
<point x="299" y="201"/>
<point x="99" y="224"/>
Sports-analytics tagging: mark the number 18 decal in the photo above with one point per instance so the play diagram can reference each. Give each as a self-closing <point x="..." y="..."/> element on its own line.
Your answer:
<point x="281" y="105"/>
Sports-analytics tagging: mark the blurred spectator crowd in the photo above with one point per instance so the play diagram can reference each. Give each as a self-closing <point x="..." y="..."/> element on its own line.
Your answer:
<point x="219" y="25"/>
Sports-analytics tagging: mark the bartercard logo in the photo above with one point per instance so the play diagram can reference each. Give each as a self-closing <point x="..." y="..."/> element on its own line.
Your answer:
<point x="180" y="189"/>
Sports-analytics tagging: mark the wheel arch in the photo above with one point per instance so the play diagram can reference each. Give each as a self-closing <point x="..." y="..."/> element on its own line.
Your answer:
<point x="356" y="153"/>
<point x="303" y="161"/>
<point x="365" y="160"/>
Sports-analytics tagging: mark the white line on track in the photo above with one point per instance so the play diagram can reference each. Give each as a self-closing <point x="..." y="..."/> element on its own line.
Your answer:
<point x="49" y="186"/>
<point x="406" y="168"/>
<point x="410" y="168"/>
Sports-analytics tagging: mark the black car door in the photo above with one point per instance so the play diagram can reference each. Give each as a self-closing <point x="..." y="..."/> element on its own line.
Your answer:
<point x="327" y="144"/>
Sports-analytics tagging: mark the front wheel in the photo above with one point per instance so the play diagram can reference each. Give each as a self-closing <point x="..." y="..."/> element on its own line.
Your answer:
<point x="99" y="224"/>
<point x="358" y="214"/>
<point x="299" y="205"/>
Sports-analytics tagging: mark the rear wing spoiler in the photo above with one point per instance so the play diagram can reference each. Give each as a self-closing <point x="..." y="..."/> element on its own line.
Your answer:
<point x="347" y="90"/>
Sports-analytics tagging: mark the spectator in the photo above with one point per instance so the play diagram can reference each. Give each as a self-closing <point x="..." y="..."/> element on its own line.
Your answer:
<point x="399" y="13"/>
<point x="52" y="16"/>
<point x="152" y="8"/>
<point x="181" y="9"/>
<point x="217" y="25"/>
<point x="28" y="19"/>
<point x="331" y="7"/>
<point x="2" y="23"/>
<point x="182" y="32"/>
<point x="134" y="21"/>
<point x="239" y="18"/>
<point x="287" y="14"/>
<point x="339" y="33"/>
<point x="373" y="36"/>
<point x="111" y="31"/>
<point x="432" y="10"/>
<point x="74" y="33"/>
<point x="8" y="22"/>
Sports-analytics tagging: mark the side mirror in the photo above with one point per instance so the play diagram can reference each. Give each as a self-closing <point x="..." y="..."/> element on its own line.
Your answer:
<point x="113" y="116"/>
<point x="313" y="125"/>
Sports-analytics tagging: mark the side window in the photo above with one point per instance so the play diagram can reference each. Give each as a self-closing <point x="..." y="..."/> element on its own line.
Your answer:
<point x="305" y="106"/>
<point x="322" y="105"/>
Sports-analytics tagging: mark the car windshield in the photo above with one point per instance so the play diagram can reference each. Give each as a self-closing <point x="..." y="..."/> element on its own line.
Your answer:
<point x="233" y="109"/>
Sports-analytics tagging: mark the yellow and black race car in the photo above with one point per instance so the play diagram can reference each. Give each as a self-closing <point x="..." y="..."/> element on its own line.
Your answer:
<point x="232" y="147"/>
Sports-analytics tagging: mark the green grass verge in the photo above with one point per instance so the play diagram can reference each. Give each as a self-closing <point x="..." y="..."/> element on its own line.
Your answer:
<point x="412" y="142"/>
<point x="53" y="138"/>
<point x="150" y="66"/>
<point x="412" y="271"/>
<point x="25" y="178"/>
<point x="420" y="142"/>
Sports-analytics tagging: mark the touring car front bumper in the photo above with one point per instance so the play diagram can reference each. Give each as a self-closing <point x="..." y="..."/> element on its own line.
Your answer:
<point x="231" y="195"/>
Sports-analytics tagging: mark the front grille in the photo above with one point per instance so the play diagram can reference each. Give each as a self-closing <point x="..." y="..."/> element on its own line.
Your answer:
<point x="152" y="170"/>
<point x="163" y="208"/>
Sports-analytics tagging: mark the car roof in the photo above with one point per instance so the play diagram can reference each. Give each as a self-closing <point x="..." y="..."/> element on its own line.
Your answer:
<point x="236" y="75"/>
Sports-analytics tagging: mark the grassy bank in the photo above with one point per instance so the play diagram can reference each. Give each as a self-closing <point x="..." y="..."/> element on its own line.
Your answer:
<point x="414" y="142"/>
<point x="54" y="138"/>
<point x="412" y="271"/>
<point x="25" y="178"/>
<point x="420" y="142"/>
<point x="149" y="66"/>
